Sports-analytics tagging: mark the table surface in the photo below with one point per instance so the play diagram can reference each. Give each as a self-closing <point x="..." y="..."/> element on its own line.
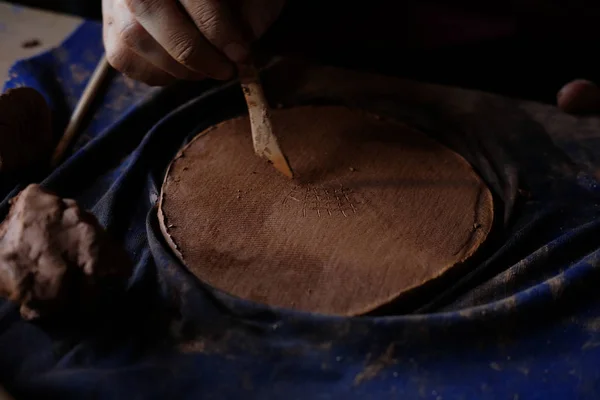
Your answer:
<point x="25" y="32"/>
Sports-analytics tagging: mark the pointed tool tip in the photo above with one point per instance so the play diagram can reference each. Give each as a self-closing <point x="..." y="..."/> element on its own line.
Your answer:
<point x="281" y="165"/>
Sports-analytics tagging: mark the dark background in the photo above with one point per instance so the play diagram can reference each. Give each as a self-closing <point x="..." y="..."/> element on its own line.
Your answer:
<point x="555" y="43"/>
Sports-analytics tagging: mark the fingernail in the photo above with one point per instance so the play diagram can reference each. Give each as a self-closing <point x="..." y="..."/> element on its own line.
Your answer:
<point x="236" y="52"/>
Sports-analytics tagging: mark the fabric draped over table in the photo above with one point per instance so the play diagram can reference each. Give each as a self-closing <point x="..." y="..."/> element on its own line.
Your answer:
<point x="524" y="323"/>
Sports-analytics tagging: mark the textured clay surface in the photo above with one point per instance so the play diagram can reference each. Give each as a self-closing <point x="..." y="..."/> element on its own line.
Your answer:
<point x="53" y="253"/>
<point x="25" y="129"/>
<point x="377" y="208"/>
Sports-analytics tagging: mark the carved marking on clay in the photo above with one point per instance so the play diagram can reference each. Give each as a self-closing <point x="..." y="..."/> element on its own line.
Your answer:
<point x="322" y="201"/>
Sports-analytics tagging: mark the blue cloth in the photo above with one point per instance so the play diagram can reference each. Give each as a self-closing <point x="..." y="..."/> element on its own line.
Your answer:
<point x="524" y="324"/>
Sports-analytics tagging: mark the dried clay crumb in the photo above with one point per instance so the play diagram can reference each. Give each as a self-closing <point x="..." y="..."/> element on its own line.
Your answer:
<point x="54" y="255"/>
<point x="31" y="43"/>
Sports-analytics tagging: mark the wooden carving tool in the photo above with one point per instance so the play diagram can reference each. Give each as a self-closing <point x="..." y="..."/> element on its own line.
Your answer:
<point x="89" y="94"/>
<point x="265" y="142"/>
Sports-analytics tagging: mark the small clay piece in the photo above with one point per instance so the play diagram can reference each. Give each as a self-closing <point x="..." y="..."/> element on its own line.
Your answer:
<point x="25" y="130"/>
<point x="579" y="97"/>
<point x="53" y="254"/>
<point x="31" y="43"/>
<point x="377" y="208"/>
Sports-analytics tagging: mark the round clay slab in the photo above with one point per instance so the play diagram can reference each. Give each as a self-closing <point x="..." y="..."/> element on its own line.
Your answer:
<point x="376" y="208"/>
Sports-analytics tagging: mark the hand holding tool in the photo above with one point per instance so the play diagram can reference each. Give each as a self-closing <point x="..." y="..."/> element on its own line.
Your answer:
<point x="264" y="140"/>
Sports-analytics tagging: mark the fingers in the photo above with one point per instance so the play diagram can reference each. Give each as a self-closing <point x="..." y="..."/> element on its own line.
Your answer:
<point x="135" y="67"/>
<point x="579" y="97"/>
<point x="138" y="40"/>
<point x="179" y="37"/>
<point x="232" y="29"/>
<point x="120" y="55"/>
<point x="215" y="20"/>
<point x="157" y="41"/>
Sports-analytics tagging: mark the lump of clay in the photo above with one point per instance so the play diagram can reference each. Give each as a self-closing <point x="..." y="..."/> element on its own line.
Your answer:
<point x="25" y="129"/>
<point x="54" y="255"/>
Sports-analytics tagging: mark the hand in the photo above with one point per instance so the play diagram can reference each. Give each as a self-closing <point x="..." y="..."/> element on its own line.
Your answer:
<point x="159" y="41"/>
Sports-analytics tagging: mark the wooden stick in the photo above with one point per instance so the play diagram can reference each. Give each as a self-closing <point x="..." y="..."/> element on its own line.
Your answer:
<point x="88" y="96"/>
<point x="265" y="142"/>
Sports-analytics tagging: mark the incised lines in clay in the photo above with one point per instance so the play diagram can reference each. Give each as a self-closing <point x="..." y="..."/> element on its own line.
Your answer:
<point x="322" y="201"/>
